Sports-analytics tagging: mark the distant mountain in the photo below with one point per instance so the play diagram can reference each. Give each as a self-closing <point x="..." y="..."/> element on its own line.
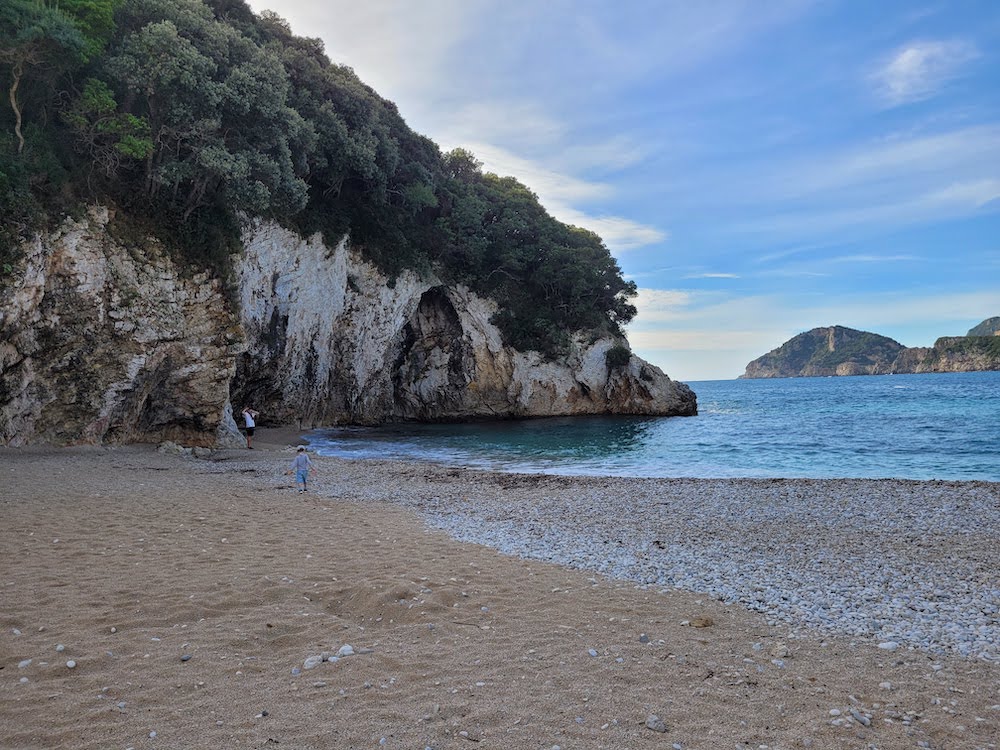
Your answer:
<point x="828" y="351"/>
<point x="989" y="327"/>
<point x="837" y="350"/>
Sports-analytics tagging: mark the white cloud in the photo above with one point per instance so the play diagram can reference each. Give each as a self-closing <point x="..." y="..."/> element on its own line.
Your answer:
<point x="903" y="159"/>
<point x="619" y="234"/>
<point x="873" y="258"/>
<point x="948" y="202"/>
<point x="712" y="276"/>
<point x="920" y="70"/>
<point x="558" y="192"/>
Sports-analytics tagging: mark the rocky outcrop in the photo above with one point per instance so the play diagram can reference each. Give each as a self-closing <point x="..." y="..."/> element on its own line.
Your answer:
<point x="961" y="354"/>
<point x="989" y="327"/>
<point x="103" y="342"/>
<point x="99" y="342"/>
<point x="332" y="340"/>
<point x="843" y="351"/>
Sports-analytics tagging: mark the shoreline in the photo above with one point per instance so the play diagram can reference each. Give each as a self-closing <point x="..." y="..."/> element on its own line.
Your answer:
<point x="224" y="562"/>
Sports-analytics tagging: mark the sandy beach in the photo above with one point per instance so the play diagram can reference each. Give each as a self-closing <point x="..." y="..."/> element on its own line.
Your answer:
<point x="190" y="594"/>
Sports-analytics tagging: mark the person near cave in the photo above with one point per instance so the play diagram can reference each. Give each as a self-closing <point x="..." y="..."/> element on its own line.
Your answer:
<point x="250" y="416"/>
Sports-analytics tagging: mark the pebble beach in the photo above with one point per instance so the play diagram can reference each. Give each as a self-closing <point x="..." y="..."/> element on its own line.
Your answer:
<point x="159" y="601"/>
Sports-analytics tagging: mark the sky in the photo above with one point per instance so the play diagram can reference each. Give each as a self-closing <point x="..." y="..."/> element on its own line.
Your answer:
<point x="758" y="167"/>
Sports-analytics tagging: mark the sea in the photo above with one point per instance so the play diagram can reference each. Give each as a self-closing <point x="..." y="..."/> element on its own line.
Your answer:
<point x="929" y="427"/>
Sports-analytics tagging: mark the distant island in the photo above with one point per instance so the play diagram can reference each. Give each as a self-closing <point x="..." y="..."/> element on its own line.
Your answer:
<point x="837" y="350"/>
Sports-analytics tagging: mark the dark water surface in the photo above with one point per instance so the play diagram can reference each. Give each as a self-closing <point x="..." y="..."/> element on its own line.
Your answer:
<point x="934" y="426"/>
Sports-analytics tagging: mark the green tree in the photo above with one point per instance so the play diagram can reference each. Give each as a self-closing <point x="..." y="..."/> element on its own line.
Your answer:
<point x="35" y="38"/>
<point x="105" y="134"/>
<point x="217" y="107"/>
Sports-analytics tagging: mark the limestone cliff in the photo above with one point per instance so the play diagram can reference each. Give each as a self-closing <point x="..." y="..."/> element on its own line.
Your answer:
<point x="102" y="342"/>
<point x="99" y="342"/>
<point x="331" y="340"/>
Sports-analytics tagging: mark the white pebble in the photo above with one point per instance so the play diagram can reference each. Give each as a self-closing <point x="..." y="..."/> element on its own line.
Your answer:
<point x="70" y="664"/>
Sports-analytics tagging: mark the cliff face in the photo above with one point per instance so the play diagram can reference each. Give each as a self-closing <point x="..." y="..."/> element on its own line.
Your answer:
<point x="331" y="340"/>
<point x="103" y="343"/>
<point x="844" y="351"/>
<point x="961" y="354"/>
<point x="100" y="342"/>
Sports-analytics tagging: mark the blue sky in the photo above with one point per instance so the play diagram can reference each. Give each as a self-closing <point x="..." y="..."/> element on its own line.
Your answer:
<point x="757" y="167"/>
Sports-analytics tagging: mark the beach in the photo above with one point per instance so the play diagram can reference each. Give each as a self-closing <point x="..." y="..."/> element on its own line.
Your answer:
<point x="204" y="602"/>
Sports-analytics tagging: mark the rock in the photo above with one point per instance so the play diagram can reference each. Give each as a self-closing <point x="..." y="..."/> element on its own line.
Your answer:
<point x="888" y="645"/>
<point x="312" y="662"/>
<point x="186" y="657"/>
<point x="345" y="650"/>
<point x="643" y="638"/>
<point x="592" y="652"/>
<point x="172" y="449"/>
<point x="24" y="664"/>
<point x="325" y="299"/>
<point x="154" y="328"/>
<point x="655" y="723"/>
<point x="702" y="622"/>
<point x="70" y="664"/>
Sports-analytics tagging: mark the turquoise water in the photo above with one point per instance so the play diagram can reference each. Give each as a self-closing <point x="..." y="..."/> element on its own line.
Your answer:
<point x="935" y="426"/>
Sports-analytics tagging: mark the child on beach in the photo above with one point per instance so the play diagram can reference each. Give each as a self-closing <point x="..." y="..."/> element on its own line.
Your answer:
<point x="301" y="466"/>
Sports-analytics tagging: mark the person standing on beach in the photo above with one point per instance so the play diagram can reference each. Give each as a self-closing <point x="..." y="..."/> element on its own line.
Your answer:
<point x="249" y="415"/>
<point x="301" y="466"/>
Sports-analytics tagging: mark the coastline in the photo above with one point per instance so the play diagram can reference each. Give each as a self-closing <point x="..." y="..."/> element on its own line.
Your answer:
<point x="220" y="560"/>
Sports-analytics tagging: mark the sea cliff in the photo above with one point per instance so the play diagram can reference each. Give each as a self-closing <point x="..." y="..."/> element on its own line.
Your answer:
<point x="107" y="341"/>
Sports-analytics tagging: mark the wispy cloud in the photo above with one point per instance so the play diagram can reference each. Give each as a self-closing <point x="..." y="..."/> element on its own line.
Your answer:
<point x="561" y="194"/>
<point x="950" y="201"/>
<point x="921" y="69"/>
<point x="711" y="276"/>
<point x="873" y="258"/>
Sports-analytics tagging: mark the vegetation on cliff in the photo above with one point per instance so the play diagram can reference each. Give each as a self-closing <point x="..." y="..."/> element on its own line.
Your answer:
<point x="989" y="327"/>
<point x="826" y="351"/>
<point x="189" y="114"/>
<point x="844" y="351"/>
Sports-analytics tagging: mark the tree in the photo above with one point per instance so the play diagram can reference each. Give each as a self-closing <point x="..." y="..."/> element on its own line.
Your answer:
<point x="216" y="103"/>
<point x="105" y="134"/>
<point x="38" y="38"/>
